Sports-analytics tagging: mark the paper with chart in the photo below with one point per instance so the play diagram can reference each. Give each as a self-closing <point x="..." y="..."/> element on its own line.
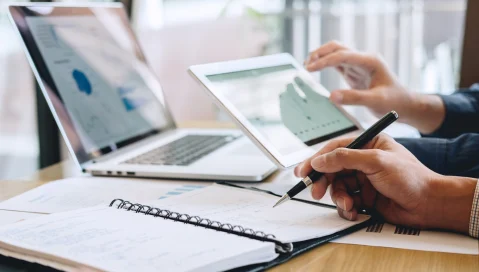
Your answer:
<point x="284" y="105"/>
<point x="106" y="90"/>
<point x="75" y="193"/>
<point x="117" y="240"/>
<point x="289" y="223"/>
<point x="383" y="234"/>
<point x="386" y="235"/>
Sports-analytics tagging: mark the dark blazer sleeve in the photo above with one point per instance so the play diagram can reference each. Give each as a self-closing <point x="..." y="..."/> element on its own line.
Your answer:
<point x="453" y="157"/>
<point x="462" y="114"/>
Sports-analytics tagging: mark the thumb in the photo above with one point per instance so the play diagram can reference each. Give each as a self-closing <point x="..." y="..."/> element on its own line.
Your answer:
<point x="354" y="97"/>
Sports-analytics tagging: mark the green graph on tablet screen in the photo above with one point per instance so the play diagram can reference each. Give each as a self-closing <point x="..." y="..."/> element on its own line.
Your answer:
<point x="283" y="106"/>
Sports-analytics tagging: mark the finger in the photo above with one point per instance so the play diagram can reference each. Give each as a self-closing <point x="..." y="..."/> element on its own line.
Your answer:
<point x="352" y="186"/>
<point x="318" y="189"/>
<point x="340" y="195"/>
<point x="366" y="98"/>
<point x="324" y="50"/>
<point x="348" y="215"/>
<point x="305" y="167"/>
<point x="341" y="57"/>
<point x="368" y="161"/>
<point x="296" y="170"/>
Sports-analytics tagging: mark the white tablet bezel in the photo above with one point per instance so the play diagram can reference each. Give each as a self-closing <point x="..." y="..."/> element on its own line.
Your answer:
<point x="200" y="73"/>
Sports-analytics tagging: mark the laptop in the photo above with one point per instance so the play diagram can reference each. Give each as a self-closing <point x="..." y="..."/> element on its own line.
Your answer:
<point x="109" y="106"/>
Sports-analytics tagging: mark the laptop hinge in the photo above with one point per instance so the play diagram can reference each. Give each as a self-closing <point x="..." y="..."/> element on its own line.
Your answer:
<point x="128" y="148"/>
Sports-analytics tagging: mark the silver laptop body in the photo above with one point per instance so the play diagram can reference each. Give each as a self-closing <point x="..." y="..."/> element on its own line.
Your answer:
<point x="110" y="107"/>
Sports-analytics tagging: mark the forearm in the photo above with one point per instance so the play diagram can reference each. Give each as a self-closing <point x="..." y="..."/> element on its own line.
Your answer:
<point x="426" y="113"/>
<point x="450" y="203"/>
<point x="451" y="157"/>
<point x="446" y="116"/>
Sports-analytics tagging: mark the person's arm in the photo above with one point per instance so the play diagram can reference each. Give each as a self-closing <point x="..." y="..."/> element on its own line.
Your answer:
<point x="442" y="116"/>
<point x="461" y="115"/>
<point x="386" y="177"/>
<point x="451" y="204"/>
<point x="375" y="86"/>
<point x="452" y="157"/>
<point x="425" y="112"/>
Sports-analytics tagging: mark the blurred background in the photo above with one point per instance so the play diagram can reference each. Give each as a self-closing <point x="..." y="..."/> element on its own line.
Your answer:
<point x="421" y="40"/>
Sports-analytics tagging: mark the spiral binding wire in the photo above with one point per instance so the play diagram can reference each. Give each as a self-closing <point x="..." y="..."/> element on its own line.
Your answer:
<point x="198" y="221"/>
<point x="185" y="218"/>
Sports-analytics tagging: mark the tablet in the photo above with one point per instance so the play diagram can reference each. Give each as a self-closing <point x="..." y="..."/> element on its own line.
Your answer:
<point x="277" y="104"/>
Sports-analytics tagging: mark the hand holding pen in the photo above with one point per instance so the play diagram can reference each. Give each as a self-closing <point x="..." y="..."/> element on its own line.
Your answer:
<point x="384" y="176"/>
<point x="359" y="142"/>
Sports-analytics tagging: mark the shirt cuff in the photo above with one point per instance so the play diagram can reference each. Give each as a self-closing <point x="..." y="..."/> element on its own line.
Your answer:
<point x="474" y="222"/>
<point x="456" y="107"/>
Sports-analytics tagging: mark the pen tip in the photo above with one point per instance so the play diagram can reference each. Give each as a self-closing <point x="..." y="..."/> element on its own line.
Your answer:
<point x="282" y="200"/>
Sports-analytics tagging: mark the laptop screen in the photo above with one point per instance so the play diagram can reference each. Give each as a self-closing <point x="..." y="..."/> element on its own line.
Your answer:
<point x="94" y="76"/>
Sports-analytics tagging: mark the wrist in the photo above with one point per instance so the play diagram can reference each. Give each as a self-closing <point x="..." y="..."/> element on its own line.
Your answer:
<point x="449" y="203"/>
<point x="426" y="112"/>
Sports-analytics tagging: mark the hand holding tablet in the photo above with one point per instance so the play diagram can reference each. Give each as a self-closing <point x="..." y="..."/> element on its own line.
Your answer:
<point x="277" y="104"/>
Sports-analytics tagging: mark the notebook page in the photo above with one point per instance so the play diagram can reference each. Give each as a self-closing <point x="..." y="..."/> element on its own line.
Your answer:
<point x="76" y="193"/>
<point x="291" y="222"/>
<point x="8" y="217"/>
<point x="117" y="240"/>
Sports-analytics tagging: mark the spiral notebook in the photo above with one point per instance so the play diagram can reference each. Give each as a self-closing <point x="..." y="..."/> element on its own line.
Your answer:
<point x="212" y="229"/>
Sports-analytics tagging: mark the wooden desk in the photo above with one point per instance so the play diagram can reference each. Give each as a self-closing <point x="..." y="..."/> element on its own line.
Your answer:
<point x="329" y="257"/>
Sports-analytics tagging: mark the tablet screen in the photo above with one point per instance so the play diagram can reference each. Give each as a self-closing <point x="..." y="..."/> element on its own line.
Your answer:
<point x="284" y="106"/>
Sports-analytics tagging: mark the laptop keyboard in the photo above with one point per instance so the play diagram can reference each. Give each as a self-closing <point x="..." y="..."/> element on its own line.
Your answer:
<point x="183" y="151"/>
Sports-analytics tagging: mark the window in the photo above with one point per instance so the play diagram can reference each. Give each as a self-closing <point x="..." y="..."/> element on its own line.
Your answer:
<point x="420" y="39"/>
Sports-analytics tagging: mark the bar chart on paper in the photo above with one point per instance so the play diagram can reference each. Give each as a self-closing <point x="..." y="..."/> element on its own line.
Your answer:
<point x="382" y="234"/>
<point x="181" y="190"/>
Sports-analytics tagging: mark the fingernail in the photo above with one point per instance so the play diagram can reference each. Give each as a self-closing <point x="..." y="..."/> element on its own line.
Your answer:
<point x="341" y="203"/>
<point x="300" y="167"/>
<point x="348" y="215"/>
<point x="337" y="97"/>
<point x="312" y="193"/>
<point x="323" y="180"/>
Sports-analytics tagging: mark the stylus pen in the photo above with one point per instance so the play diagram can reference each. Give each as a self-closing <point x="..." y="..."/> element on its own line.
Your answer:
<point x="361" y="141"/>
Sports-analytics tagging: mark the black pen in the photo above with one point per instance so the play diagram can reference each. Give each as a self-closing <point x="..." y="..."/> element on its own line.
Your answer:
<point x="361" y="141"/>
